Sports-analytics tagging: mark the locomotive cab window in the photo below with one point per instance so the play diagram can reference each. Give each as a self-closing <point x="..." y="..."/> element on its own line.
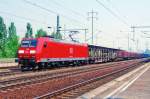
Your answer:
<point x="29" y="43"/>
<point x="33" y="43"/>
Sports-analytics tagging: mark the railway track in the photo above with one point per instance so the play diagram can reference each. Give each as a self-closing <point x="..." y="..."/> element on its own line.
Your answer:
<point x="57" y="80"/>
<point x="8" y="71"/>
<point x="9" y="83"/>
<point x="76" y="90"/>
<point x="16" y="71"/>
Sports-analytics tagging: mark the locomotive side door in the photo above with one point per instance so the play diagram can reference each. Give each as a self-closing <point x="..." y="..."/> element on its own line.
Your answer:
<point x="46" y="50"/>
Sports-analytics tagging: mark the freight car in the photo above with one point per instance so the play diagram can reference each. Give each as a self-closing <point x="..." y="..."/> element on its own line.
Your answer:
<point x="45" y="52"/>
<point x="101" y="54"/>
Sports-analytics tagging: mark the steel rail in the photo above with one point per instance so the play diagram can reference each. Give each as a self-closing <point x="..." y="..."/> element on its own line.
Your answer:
<point x="55" y="93"/>
<point x="28" y="80"/>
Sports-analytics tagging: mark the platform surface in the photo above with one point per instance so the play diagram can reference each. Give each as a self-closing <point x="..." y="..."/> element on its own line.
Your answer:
<point x="134" y="85"/>
<point x="3" y="65"/>
<point x="138" y="88"/>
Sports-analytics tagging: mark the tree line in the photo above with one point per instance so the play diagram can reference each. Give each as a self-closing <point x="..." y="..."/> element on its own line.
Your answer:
<point x="9" y="40"/>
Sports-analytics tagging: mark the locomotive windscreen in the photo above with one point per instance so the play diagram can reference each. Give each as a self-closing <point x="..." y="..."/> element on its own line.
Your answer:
<point x="29" y="43"/>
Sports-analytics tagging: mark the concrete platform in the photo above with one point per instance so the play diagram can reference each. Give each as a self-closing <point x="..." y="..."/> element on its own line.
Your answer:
<point x="133" y="85"/>
<point x="7" y="65"/>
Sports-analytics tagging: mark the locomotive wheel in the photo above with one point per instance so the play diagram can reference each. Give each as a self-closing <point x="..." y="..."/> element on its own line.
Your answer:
<point x="40" y="66"/>
<point x="22" y="68"/>
<point x="74" y="63"/>
<point x="25" y="68"/>
<point x="78" y="63"/>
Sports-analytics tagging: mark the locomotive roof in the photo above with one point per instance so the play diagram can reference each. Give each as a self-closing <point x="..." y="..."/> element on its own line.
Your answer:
<point x="64" y="41"/>
<point x="57" y="40"/>
<point x="69" y="42"/>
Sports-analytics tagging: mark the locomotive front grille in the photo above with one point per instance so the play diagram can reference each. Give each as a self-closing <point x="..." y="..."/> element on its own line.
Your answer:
<point x="26" y="61"/>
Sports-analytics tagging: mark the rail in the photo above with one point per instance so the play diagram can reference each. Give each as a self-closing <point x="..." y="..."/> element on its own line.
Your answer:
<point x="55" y="93"/>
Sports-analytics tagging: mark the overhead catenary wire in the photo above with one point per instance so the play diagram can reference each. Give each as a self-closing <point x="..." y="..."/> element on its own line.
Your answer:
<point x="64" y="7"/>
<point x="10" y="15"/>
<point x="21" y="28"/>
<point x="21" y="17"/>
<point x="51" y="11"/>
<point x="116" y="8"/>
<point x="113" y="13"/>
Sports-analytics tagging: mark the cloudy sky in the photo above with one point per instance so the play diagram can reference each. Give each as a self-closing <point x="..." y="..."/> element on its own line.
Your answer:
<point x="111" y="29"/>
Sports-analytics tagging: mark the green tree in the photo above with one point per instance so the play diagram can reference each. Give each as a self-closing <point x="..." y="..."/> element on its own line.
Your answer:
<point x="29" y="31"/>
<point x="12" y="30"/>
<point x="3" y="37"/>
<point x="12" y="42"/>
<point x="41" y="33"/>
<point x="8" y="41"/>
<point x="12" y="47"/>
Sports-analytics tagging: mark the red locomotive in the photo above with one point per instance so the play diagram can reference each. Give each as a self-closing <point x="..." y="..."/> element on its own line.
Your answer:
<point x="44" y="52"/>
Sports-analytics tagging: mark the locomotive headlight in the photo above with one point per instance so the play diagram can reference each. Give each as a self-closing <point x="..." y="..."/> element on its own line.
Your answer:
<point x="32" y="51"/>
<point x="21" y="51"/>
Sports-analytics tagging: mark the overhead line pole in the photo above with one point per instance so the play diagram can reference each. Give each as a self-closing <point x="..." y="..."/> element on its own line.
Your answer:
<point x="137" y="27"/>
<point x="92" y="17"/>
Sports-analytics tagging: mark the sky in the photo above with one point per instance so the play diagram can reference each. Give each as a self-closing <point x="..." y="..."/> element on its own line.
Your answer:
<point x="111" y="28"/>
